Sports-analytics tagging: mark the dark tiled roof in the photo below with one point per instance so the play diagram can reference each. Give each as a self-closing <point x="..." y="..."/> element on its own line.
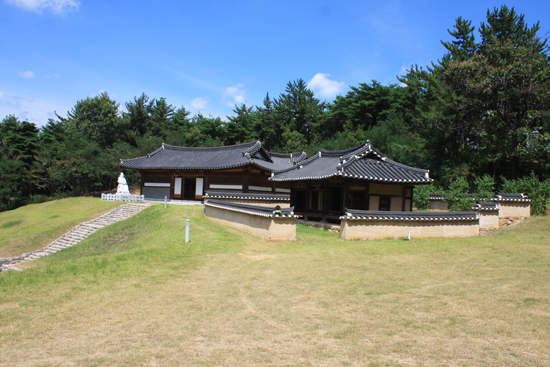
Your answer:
<point x="262" y="211"/>
<point x="443" y="196"/>
<point x="219" y="194"/>
<point x="501" y="196"/>
<point x="361" y="162"/>
<point x="232" y="156"/>
<point x="437" y="196"/>
<point x="485" y="206"/>
<point x="352" y="214"/>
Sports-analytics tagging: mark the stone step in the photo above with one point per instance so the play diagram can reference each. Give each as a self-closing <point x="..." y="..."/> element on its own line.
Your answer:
<point x="57" y="247"/>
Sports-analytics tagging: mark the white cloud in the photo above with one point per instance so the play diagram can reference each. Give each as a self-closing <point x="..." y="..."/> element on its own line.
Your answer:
<point x="57" y="6"/>
<point x="324" y="87"/>
<point x="52" y="76"/>
<point x="26" y="74"/>
<point x="235" y="93"/>
<point x="29" y="108"/>
<point x="199" y="103"/>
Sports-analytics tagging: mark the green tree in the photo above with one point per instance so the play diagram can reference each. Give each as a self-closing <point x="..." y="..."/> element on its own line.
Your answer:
<point x="241" y="128"/>
<point x="96" y="118"/>
<point x="211" y="130"/>
<point x="267" y="128"/>
<point x="512" y="76"/>
<point x="298" y="111"/>
<point x="363" y="106"/>
<point x="161" y="119"/>
<point x="137" y="119"/>
<point x="484" y="187"/>
<point x="457" y="197"/>
<point x="18" y="148"/>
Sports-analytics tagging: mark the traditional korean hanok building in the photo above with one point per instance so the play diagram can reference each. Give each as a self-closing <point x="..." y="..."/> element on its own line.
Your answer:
<point x="357" y="178"/>
<point x="187" y="173"/>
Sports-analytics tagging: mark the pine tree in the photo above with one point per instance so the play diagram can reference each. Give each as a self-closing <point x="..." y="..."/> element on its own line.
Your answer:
<point x="298" y="111"/>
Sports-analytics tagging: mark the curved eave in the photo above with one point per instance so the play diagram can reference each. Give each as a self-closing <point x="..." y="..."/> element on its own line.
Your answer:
<point x="253" y="210"/>
<point x="250" y="162"/>
<point x="511" y="200"/>
<point x="358" y="177"/>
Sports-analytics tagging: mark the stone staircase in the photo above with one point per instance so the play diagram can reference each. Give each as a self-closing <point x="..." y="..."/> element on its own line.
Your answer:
<point x="76" y="234"/>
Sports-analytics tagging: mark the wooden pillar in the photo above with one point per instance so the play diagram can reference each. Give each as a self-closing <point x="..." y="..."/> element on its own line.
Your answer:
<point x="346" y="197"/>
<point x="412" y="197"/>
<point x="307" y="202"/>
<point x="245" y="182"/>
<point x="172" y="184"/>
<point x="404" y="196"/>
<point x="367" y="196"/>
<point x="324" y="197"/>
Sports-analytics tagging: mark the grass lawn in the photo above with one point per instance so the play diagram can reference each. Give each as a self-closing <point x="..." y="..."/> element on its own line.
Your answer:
<point x="135" y="293"/>
<point x="32" y="227"/>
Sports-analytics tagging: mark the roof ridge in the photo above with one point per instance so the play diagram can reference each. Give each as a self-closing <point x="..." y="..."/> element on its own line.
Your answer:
<point x="204" y="149"/>
<point x="343" y="152"/>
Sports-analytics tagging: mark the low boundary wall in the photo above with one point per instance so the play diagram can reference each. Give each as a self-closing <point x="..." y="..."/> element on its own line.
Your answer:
<point x="516" y="205"/>
<point x="488" y="215"/>
<point x="365" y="224"/>
<point x="274" y="223"/>
<point x="122" y="197"/>
<point x="437" y="203"/>
<point x="261" y="199"/>
<point x="513" y="205"/>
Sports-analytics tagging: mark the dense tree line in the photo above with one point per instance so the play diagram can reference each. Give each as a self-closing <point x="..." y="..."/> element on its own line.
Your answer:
<point x="483" y="109"/>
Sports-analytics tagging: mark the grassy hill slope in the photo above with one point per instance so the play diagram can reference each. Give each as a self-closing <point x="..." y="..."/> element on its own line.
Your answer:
<point x="34" y="226"/>
<point x="135" y="293"/>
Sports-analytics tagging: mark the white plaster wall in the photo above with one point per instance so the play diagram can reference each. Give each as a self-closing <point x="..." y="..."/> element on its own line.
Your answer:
<point x="358" y="229"/>
<point x="265" y="227"/>
<point x="488" y="219"/>
<point x="514" y="209"/>
<point x="439" y="205"/>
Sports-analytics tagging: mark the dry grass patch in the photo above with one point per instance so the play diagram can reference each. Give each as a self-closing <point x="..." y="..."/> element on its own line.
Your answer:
<point x="231" y="299"/>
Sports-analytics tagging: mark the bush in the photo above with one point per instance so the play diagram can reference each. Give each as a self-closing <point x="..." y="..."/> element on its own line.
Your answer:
<point x="456" y="197"/>
<point x="538" y="191"/>
<point x="37" y="199"/>
<point x="484" y="187"/>
<point x="421" y="196"/>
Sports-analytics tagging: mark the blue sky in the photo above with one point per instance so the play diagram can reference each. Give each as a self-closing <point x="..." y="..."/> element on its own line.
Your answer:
<point x="210" y="55"/>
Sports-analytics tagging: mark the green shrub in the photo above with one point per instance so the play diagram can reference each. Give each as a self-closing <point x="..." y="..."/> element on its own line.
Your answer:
<point x="456" y="197"/>
<point x="538" y="191"/>
<point x="37" y="199"/>
<point x="421" y="196"/>
<point x="484" y="187"/>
